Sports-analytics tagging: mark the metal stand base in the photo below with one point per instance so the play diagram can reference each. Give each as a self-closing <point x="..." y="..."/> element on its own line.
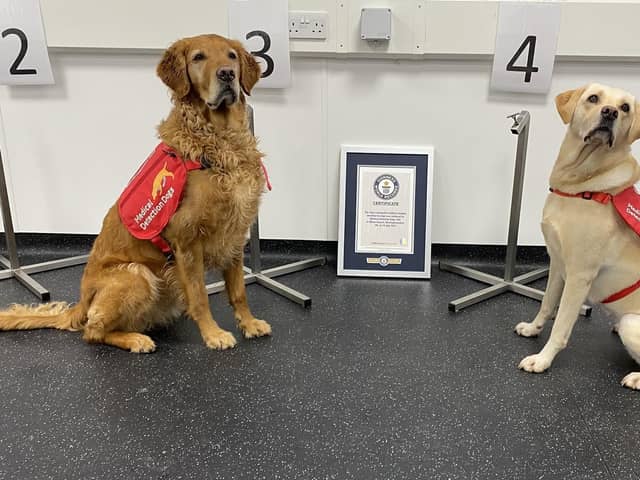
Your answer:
<point x="498" y="286"/>
<point x="33" y="286"/>
<point x="14" y="270"/>
<point x="265" y="278"/>
<point x="517" y="285"/>
<point x="21" y="274"/>
<point x="255" y="274"/>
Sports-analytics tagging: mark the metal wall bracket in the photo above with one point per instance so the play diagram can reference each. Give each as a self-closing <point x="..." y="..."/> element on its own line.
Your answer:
<point x="508" y="283"/>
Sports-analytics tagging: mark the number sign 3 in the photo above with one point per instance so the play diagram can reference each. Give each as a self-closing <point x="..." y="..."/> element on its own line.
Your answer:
<point x="526" y="41"/>
<point x="24" y="59"/>
<point x="262" y="53"/>
<point x="262" y="26"/>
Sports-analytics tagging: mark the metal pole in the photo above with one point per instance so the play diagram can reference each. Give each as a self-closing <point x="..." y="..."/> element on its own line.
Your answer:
<point x="7" y="220"/>
<point x="520" y="128"/>
<point x="254" y="240"/>
<point x="254" y="245"/>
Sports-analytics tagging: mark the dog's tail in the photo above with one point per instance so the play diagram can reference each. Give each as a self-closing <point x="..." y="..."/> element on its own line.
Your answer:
<point x="58" y="315"/>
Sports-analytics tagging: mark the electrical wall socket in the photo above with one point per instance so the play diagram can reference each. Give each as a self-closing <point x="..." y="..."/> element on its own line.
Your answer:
<point x="308" y="24"/>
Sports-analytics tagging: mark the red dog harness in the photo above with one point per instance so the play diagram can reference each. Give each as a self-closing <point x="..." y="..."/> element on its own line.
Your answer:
<point x="627" y="204"/>
<point x="154" y="193"/>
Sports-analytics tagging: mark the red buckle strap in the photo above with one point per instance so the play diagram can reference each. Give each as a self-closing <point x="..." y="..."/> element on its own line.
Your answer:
<point x="600" y="197"/>
<point x="163" y="246"/>
<point x="622" y="293"/>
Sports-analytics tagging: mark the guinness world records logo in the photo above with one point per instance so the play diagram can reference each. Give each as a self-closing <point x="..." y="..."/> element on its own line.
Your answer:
<point x="386" y="186"/>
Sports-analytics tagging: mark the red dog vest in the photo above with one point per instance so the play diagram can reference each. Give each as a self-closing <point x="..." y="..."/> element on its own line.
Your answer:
<point x="627" y="204"/>
<point x="153" y="195"/>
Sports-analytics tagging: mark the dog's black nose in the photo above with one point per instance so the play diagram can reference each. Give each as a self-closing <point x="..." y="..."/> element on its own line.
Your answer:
<point x="609" y="113"/>
<point x="226" y="74"/>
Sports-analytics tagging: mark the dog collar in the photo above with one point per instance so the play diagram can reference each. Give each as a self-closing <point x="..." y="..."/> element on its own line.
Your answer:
<point x="600" y="197"/>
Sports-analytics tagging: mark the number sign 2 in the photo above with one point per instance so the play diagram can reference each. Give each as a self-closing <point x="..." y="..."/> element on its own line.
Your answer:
<point x="262" y="26"/>
<point x="526" y="42"/>
<point x="24" y="59"/>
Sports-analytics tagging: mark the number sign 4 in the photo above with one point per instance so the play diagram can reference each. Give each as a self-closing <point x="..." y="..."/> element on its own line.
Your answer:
<point x="24" y="59"/>
<point x="528" y="69"/>
<point x="262" y="25"/>
<point x="526" y="41"/>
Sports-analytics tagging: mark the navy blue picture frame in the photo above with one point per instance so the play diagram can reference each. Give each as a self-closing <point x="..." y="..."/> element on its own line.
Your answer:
<point x="387" y="264"/>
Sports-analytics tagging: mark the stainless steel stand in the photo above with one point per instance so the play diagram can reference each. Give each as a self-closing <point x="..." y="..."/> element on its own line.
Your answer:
<point x="12" y="264"/>
<point x="518" y="284"/>
<point x="255" y="274"/>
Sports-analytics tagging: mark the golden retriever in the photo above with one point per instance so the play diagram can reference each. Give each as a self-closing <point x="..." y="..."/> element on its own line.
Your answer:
<point x="128" y="285"/>
<point x="594" y="254"/>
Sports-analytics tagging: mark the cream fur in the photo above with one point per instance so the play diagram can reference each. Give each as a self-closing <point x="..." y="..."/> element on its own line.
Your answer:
<point x="593" y="253"/>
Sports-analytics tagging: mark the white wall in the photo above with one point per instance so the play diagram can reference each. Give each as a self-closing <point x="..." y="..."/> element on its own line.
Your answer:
<point x="419" y="27"/>
<point x="70" y="148"/>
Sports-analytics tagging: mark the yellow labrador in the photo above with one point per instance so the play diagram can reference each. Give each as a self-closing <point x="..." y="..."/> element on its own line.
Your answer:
<point x="594" y="254"/>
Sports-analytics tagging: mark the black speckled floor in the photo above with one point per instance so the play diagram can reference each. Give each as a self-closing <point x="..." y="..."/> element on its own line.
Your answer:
<point x="377" y="381"/>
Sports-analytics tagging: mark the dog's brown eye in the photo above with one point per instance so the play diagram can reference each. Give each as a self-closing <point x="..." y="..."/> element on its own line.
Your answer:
<point x="625" y="107"/>
<point x="232" y="55"/>
<point x="198" y="57"/>
<point x="593" y="99"/>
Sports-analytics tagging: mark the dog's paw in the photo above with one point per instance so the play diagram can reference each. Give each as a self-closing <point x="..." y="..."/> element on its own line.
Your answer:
<point x="255" y="328"/>
<point x="526" y="329"/>
<point x="631" y="381"/>
<point x="220" y="340"/>
<point x="140" y="343"/>
<point x="534" y="363"/>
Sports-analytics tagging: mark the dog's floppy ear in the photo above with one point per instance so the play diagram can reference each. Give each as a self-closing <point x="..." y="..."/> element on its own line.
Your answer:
<point x="567" y="101"/>
<point x="172" y="69"/>
<point x="249" y="69"/>
<point x="634" y="130"/>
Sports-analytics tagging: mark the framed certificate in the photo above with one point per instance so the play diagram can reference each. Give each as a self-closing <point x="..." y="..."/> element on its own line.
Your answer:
<point x="385" y="211"/>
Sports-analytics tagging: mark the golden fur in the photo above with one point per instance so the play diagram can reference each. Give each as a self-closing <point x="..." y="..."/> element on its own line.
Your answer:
<point x="128" y="286"/>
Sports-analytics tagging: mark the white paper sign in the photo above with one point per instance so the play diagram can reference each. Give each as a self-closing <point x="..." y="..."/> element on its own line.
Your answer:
<point x="262" y="26"/>
<point x="24" y="59"/>
<point x="385" y="209"/>
<point x="526" y="43"/>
